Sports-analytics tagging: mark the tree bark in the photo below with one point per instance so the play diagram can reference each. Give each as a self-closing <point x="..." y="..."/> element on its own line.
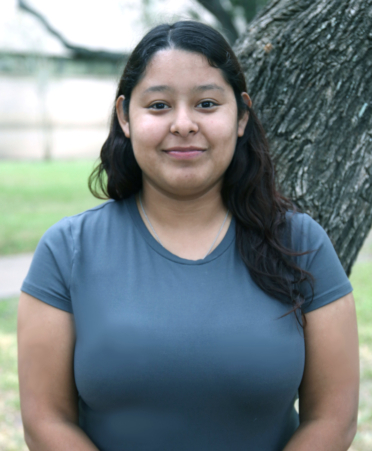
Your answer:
<point x="308" y="66"/>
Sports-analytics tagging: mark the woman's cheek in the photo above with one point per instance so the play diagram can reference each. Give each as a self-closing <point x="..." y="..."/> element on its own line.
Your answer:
<point x="221" y="130"/>
<point x="150" y="129"/>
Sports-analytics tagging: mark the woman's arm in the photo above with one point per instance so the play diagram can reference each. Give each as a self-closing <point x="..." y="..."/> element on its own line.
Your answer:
<point x="49" y="400"/>
<point x="329" y="391"/>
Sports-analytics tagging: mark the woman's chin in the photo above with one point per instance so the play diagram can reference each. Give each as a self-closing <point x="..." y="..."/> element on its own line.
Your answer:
<point x="190" y="188"/>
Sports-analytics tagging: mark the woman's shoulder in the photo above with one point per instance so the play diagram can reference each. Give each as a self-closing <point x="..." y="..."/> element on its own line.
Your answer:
<point x="301" y="220"/>
<point x="304" y="229"/>
<point x="95" y="218"/>
<point x="298" y="218"/>
<point x="108" y="208"/>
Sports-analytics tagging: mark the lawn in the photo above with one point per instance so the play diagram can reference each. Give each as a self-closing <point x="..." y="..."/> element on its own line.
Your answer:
<point x="35" y="195"/>
<point x="362" y="284"/>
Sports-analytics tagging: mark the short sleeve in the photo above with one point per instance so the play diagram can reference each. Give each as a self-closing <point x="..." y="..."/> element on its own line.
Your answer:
<point x="331" y="281"/>
<point x="49" y="276"/>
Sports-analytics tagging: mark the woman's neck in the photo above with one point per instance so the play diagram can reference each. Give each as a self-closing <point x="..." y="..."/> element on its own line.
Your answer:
<point x="186" y="227"/>
<point x="182" y="213"/>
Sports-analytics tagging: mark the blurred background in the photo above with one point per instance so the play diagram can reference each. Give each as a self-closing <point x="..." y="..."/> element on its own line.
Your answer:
<point x="55" y="102"/>
<point x="60" y="62"/>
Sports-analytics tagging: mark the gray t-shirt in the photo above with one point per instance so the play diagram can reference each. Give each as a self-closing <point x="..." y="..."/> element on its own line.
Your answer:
<point x="175" y="354"/>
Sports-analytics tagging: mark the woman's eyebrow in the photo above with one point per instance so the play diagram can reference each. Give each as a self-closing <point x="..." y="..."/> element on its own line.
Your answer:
<point x="164" y="88"/>
<point x="158" y="88"/>
<point x="209" y="87"/>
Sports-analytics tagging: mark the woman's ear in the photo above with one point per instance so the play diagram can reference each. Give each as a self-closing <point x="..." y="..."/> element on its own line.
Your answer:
<point x="122" y="117"/>
<point x="244" y="119"/>
<point x="247" y="99"/>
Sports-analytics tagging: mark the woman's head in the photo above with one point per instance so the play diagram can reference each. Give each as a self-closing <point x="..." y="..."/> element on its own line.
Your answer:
<point x="121" y="153"/>
<point x="183" y="124"/>
<point x="189" y="70"/>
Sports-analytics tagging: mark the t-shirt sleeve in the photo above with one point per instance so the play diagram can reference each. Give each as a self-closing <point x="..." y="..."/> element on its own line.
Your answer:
<point x="331" y="281"/>
<point x="49" y="276"/>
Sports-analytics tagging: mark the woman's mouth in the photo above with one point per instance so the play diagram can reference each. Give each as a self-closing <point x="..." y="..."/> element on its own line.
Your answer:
<point x="184" y="153"/>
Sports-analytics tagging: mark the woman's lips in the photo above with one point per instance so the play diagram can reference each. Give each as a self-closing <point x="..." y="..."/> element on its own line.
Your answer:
<point x="184" y="153"/>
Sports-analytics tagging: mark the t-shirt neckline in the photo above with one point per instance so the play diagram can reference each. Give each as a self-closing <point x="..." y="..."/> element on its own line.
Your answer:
<point x="219" y="250"/>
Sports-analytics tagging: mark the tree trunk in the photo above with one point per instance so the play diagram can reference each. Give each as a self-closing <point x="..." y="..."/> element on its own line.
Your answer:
<point x="308" y="66"/>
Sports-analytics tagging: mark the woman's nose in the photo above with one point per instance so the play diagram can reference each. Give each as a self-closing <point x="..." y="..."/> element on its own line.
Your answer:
<point x="183" y="123"/>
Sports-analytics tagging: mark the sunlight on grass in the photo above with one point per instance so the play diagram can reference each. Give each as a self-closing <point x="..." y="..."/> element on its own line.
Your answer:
<point x="11" y="431"/>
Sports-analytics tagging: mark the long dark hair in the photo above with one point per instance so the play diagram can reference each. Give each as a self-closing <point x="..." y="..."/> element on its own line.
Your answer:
<point x="248" y="189"/>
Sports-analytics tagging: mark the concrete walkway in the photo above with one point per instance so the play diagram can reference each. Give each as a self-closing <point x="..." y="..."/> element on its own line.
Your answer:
<point x="13" y="269"/>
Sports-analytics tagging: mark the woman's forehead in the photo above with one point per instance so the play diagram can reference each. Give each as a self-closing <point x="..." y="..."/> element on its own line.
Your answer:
<point x="172" y="69"/>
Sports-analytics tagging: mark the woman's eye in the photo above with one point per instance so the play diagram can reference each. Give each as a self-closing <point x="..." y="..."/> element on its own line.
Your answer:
<point x="207" y="104"/>
<point x="158" y="106"/>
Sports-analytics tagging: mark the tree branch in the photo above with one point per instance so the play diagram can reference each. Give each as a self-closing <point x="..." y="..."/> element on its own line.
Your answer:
<point x="249" y="8"/>
<point x="215" y="7"/>
<point x="78" y="52"/>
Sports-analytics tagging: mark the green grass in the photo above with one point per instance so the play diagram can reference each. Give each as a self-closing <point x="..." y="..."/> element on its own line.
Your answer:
<point x="361" y="280"/>
<point x="35" y="195"/>
<point x="8" y="345"/>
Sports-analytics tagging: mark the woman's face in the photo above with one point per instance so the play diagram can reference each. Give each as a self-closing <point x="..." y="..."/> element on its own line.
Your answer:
<point x="182" y="123"/>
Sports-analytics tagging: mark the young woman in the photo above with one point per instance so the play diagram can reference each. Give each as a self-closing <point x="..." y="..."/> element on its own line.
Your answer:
<point x="193" y="308"/>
